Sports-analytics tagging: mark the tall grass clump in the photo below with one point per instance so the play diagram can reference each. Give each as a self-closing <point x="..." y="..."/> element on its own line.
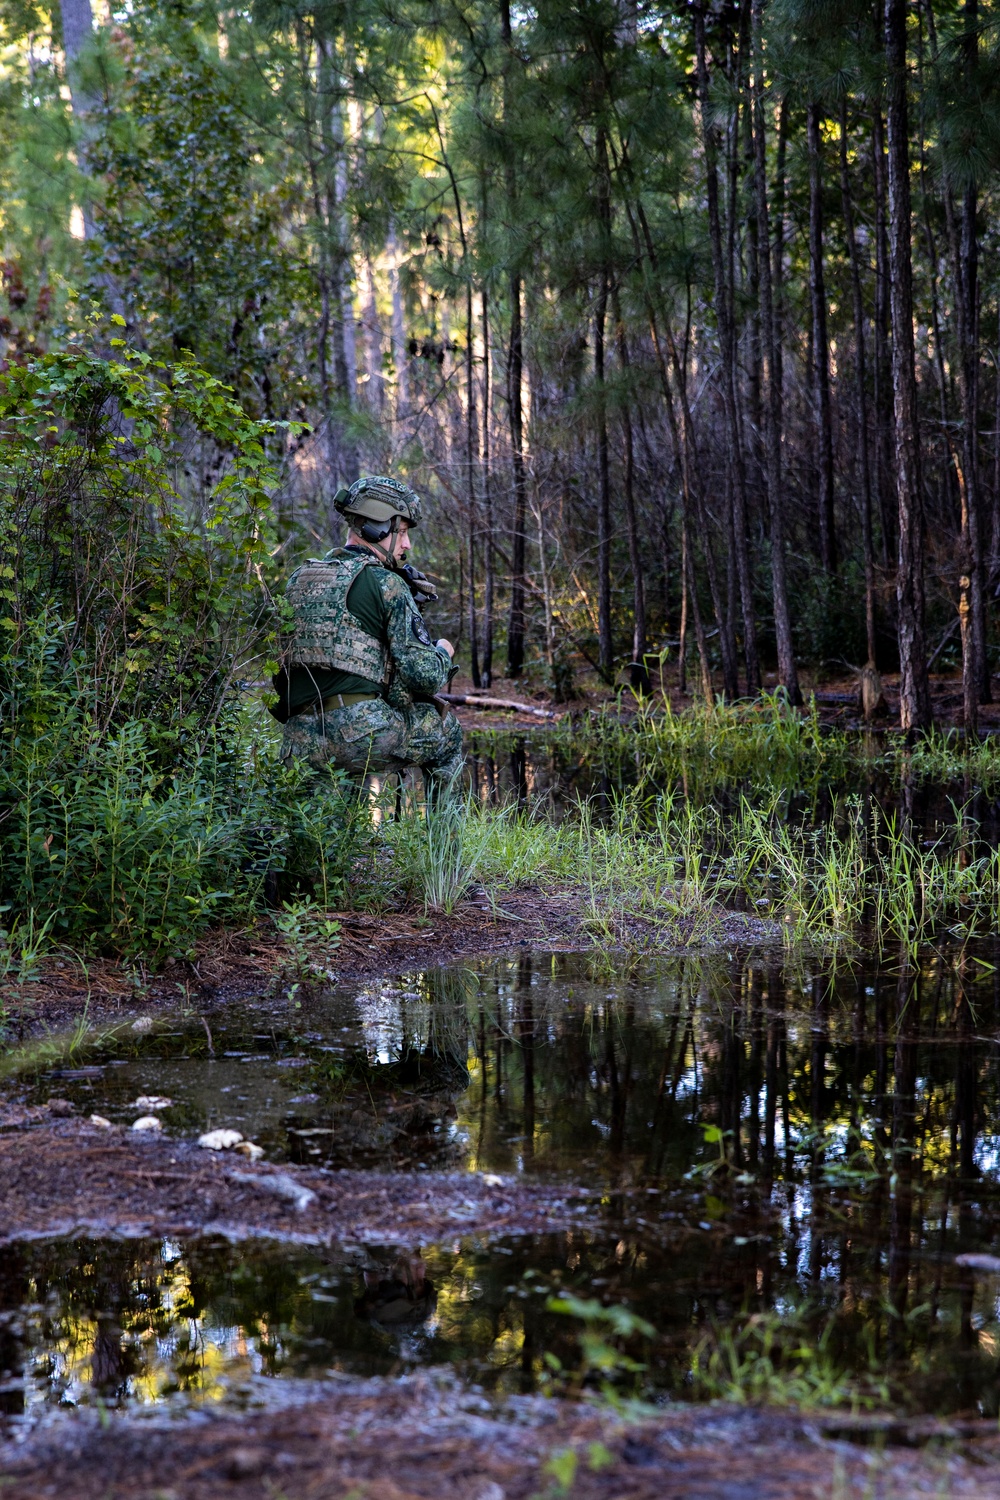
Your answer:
<point x="441" y="849"/>
<point x="134" y="808"/>
<point x="759" y="746"/>
<point x="764" y="742"/>
<point x="665" y="861"/>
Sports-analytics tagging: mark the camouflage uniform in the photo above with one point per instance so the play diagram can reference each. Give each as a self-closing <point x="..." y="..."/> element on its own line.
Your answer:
<point x="389" y="733"/>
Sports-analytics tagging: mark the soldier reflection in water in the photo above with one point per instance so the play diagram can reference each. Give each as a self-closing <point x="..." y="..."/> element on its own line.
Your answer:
<point x="402" y="1295"/>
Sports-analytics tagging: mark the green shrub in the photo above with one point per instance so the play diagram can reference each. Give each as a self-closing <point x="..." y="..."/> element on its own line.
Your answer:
<point x="138" y="801"/>
<point x="118" y="854"/>
<point x="147" y="585"/>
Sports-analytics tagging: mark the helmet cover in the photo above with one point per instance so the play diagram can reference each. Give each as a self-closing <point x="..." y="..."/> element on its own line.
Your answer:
<point x="379" y="499"/>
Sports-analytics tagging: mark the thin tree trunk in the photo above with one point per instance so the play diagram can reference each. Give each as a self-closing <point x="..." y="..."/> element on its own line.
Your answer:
<point x="914" y="688"/>
<point x="515" y="629"/>
<point x="821" y="349"/>
<point x="515" y="358"/>
<point x="470" y="479"/>
<point x="470" y="409"/>
<point x="787" y="673"/>
<point x="605" y="645"/>
<point x="639" y="671"/>
<point x="751" y="285"/>
<point x="699" y="628"/>
<point x="730" y="367"/>
<point x="486" y="672"/>
<point x="399" y="355"/>
<point x="864" y="439"/>
<point x="303" y="46"/>
<point x="778" y="252"/>
<point x="977" y="688"/>
<point x="333" y="228"/>
<point x="682" y="631"/>
<point x="884" y="477"/>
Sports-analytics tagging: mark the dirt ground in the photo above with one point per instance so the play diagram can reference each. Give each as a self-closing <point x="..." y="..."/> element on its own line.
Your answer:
<point x="66" y="1177"/>
<point x="414" y="1440"/>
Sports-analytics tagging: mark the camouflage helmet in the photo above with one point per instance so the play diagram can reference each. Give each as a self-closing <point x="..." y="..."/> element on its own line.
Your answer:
<point x="375" y="506"/>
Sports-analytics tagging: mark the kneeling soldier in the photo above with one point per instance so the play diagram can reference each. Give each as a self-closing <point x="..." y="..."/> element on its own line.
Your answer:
<point x="363" y="669"/>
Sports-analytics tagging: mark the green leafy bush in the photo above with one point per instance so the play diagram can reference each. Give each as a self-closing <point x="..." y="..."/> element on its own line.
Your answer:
<point x="139" y="802"/>
<point x="146" y="582"/>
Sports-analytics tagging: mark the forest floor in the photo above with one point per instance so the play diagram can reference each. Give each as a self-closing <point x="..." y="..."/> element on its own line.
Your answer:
<point x="417" y="1438"/>
<point x="65" y="1176"/>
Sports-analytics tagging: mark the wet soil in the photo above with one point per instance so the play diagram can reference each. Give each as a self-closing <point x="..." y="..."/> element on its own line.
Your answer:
<point x="72" y="1178"/>
<point x="416" y="1440"/>
<point x="230" y="964"/>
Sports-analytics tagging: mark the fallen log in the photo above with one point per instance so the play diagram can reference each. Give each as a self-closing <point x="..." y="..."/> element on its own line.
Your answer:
<point x="476" y="700"/>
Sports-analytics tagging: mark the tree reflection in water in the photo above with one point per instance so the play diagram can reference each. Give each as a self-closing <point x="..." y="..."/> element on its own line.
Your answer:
<point x="779" y="1156"/>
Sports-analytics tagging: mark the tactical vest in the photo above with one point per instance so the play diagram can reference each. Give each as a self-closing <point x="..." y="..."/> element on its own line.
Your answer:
<point x="326" y="634"/>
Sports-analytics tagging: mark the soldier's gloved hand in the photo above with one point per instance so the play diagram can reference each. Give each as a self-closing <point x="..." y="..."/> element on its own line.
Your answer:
<point x="444" y="645"/>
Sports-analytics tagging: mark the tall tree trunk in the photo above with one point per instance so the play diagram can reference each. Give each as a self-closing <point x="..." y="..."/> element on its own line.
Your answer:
<point x="975" y="673"/>
<point x="884" y="475"/>
<point x="515" y="629"/>
<point x="751" y="302"/>
<point x="398" y="325"/>
<point x="914" y="689"/>
<point x="864" y="437"/>
<point x="323" y="279"/>
<point x="639" y="670"/>
<point x="691" y="585"/>
<point x="470" y="481"/>
<point x="486" y="672"/>
<point x="605" y="645"/>
<point x="787" y="673"/>
<point x="78" y="28"/>
<point x="778" y="251"/>
<point x="821" y="349"/>
<point x="334" y="228"/>
<point x="515" y="361"/>
<point x="730" y="366"/>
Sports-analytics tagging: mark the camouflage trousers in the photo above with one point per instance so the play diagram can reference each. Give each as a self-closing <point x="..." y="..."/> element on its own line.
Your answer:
<point x="372" y="736"/>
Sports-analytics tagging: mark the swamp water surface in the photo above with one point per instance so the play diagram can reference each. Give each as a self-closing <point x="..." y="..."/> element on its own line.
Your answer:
<point x="786" y="1164"/>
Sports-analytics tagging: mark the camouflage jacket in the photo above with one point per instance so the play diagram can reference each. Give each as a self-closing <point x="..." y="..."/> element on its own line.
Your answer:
<point x="403" y="658"/>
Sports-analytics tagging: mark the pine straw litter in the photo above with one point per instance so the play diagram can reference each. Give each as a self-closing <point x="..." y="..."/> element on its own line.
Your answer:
<point x="69" y="1178"/>
<point x="426" y="1439"/>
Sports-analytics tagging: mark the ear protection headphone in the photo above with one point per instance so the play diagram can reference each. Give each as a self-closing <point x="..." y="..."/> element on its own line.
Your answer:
<point x="372" y="531"/>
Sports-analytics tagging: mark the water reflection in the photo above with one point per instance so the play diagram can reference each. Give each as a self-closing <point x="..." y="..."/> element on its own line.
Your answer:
<point x="815" y="1140"/>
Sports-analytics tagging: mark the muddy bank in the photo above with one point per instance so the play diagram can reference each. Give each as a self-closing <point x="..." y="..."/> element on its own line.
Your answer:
<point x="412" y="1439"/>
<point x="233" y="964"/>
<point x="71" y="1178"/>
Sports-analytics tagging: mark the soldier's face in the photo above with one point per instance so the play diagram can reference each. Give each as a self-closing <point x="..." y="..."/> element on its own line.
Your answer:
<point x="401" y="543"/>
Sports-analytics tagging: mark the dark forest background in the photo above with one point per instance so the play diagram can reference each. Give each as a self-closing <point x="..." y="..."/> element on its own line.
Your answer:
<point x="684" y="316"/>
